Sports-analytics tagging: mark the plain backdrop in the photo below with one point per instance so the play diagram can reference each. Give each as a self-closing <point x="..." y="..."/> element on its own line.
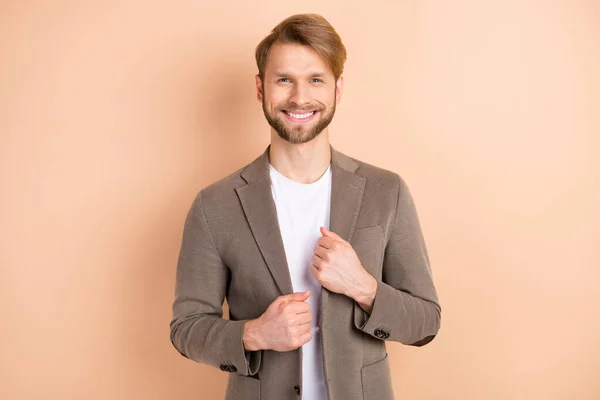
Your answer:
<point x="114" y="114"/>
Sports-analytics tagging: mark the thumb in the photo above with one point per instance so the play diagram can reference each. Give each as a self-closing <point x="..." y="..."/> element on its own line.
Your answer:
<point x="327" y="232"/>
<point x="299" y="296"/>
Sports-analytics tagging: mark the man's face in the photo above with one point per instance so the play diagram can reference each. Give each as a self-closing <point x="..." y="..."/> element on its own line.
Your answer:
<point x="299" y="92"/>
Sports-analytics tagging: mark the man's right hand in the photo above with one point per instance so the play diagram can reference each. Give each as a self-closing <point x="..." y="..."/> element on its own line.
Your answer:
<point x="284" y="326"/>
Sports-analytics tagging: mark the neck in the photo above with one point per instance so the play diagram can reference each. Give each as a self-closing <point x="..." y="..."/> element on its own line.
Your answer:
<point x="305" y="162"/>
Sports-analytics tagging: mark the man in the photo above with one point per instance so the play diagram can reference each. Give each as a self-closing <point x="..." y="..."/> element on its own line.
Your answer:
<point x="320" y="255"/>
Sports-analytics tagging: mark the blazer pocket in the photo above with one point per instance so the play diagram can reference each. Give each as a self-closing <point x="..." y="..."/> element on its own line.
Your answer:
<point x="242" y="387"/>
<point x="376" y="381"/>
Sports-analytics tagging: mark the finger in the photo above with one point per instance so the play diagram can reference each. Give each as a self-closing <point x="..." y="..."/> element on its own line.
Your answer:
<point x="316" y="272"/>
<point x="303" y="319"/>
<point x="304" y="327"/>
<point x="297" y="296"/>
<point x="296" y="307"/>
<point x="316" y="260"/>
<point x="305" y="338"/>
<point x="326" y="232"/>
<point x="320" y="251"/>
<point x="328" y="241"/>
<point x="302" y="339"/>
<point x="325" y="242"/>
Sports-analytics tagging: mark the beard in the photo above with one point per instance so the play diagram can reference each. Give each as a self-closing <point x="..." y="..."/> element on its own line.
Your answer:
<point x="300" y="133"/>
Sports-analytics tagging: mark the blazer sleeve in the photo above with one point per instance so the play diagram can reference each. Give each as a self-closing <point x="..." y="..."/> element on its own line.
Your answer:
<point x="406" y="307"/>
<point x="198" y="330"/>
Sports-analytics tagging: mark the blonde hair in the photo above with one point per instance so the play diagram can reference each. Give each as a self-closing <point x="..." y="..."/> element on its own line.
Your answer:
<point x="307" y="29"/>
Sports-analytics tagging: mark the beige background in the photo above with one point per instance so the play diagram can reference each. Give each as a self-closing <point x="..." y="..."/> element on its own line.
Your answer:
<point x="114" y="114"/>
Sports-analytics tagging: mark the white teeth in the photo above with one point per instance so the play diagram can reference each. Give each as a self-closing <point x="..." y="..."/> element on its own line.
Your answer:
<point x="301" y="116"/>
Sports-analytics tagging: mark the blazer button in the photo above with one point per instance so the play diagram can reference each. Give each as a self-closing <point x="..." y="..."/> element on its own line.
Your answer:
<point x="223" y="367"/>
<point x="232" y="368"/>
<point x="380" y="333"/>
<point x="297" y="390"/>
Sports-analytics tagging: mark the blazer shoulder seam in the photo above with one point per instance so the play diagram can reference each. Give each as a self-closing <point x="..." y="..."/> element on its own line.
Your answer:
<point x="212" y="240"/>
<point x="399" y="179"/>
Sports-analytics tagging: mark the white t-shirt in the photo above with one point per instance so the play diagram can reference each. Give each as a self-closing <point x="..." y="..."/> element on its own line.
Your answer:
<point x="301" y="209"/>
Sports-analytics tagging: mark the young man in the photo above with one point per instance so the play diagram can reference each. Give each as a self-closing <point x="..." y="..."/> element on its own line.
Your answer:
<point x="320" y="255"/>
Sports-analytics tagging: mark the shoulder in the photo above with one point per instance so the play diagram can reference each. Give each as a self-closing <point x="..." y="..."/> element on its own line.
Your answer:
<point x="378" y="176"/>
<point x="219" y="193"/>
<point x="223" y="188"/>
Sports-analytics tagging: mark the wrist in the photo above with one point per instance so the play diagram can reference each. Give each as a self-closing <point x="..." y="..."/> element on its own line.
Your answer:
<point x="251" y="336"/>
<point x="365" y="295"/>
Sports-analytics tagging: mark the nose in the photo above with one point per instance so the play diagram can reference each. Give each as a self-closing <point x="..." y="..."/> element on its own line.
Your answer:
<point x="300" y="95"/>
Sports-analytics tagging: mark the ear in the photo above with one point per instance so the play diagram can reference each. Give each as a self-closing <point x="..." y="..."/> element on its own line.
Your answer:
<point x="259" y="88"/>
<point x="339" y="89"/>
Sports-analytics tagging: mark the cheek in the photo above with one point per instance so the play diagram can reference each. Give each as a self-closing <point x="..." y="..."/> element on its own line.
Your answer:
<point x="274" y="105"/>
<point x="275" y="96"/>
<point x="325" y="97"/>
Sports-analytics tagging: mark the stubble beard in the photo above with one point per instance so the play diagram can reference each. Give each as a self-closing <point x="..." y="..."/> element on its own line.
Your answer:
<point x="299" y="134"/>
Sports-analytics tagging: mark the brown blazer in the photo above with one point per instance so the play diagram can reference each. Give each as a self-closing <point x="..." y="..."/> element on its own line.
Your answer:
<point x="232" y="247"/>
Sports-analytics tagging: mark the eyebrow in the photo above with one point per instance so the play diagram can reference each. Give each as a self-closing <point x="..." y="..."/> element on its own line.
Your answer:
<point x="313" y="74"/>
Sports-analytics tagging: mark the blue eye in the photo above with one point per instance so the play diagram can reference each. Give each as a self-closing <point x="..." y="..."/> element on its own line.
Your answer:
<point x="317" y="79"/>
<point x="281" y="79"/>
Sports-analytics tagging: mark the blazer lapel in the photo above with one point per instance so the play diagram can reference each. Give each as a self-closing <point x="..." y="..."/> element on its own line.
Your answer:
<point x="259" y="207"/>
<point x="347" y="190"/>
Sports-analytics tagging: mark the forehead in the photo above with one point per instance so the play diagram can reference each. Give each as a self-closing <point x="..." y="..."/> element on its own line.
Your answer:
<point x="295" y="59"/>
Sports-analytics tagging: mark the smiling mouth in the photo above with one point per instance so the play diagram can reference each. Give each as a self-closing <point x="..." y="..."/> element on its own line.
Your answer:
<point x="301" y="116"/>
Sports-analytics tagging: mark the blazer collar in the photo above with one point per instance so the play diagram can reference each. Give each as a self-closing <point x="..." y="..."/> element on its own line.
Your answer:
<point x="347" y="190"/>
<point x="259" y="168"/>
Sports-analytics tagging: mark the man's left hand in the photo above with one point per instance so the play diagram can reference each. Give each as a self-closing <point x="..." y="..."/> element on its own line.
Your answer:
<point x="337" y="268"/>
